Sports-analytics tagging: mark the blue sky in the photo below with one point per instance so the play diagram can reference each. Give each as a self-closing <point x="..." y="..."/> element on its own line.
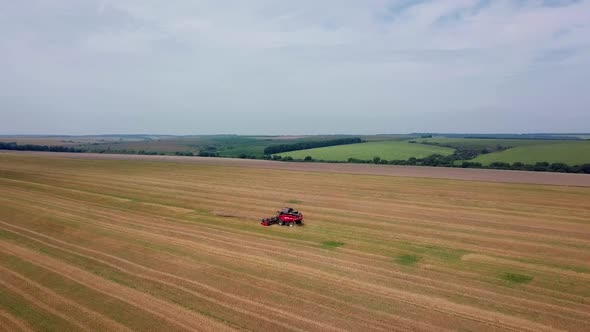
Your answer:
<point x="294" y="67"/>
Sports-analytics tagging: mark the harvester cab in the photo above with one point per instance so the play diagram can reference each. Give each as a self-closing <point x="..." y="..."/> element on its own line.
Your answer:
<point x="285" y="217"/>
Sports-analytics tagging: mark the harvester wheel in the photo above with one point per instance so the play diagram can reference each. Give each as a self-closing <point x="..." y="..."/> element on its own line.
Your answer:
<point x="281" y="222"/>
<point x="291" y="224"/>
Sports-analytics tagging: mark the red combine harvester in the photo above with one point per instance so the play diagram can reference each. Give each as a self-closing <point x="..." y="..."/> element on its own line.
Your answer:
<point x="287" y="216"/>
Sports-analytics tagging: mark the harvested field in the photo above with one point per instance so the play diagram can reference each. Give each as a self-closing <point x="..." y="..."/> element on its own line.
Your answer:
<point x="486" y="175"/>
<point x="138" y="244"/>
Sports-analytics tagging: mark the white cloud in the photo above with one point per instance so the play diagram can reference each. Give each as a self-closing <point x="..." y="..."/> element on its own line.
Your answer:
<point x="337" y="59"/>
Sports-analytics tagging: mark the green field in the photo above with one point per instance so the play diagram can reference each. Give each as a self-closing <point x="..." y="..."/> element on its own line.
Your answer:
<point x="223" y="145"/>
<point x="232" y="146"/>
<point x="389" y="150"/>
<point x="387" y="147"/>
<point x="569" y="152"/>
<point x="482" y="143"/>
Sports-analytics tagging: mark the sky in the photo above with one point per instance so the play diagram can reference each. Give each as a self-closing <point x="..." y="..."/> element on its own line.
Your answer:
<point x="294" y="67"/>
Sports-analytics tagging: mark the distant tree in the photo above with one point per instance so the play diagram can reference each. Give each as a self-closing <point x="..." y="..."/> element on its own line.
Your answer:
<point x="398" y="162"/>
<point x="308" y="158"/>
<point x="500" y="165"/>
<point x="207" y="154"/>
<point x="178" y="153"/>
<point x="471" y="164"/>
<point x="559" y="167"/>
<point x="376" y="160"/>
<point x="517" y="165"/>
<point x="541" y="167"/>
<point x="529" y="167"/>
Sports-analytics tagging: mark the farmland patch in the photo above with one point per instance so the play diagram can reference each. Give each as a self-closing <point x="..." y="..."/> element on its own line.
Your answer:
<point x="517" y="278"/>
<point x="179" y="246"/>
<point x="408" y="259"/>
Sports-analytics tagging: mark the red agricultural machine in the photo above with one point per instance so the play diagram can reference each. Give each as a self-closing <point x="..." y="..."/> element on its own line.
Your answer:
<point x="286" y="216"/>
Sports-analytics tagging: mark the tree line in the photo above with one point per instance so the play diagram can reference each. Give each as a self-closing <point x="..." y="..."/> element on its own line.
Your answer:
<point x="33" y="147"/>
<point x="273" y="149"/>
<point x="461" y="155"/>
<point x="437" y="160"/>
<point x="447" y="161"/>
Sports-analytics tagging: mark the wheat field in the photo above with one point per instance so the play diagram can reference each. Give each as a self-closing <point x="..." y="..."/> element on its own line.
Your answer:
<point x="139" y="245"/>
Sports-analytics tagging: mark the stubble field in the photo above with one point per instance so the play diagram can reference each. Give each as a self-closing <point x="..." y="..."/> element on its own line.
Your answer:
<point x="138" y="245"/>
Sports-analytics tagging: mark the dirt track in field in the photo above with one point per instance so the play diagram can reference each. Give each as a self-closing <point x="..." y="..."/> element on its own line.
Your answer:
<point x="487" y="175"/>
<point x="120" y="245"/>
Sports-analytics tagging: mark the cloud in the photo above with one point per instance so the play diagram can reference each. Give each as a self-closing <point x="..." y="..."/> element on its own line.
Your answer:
<point x="353" y="64"/>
